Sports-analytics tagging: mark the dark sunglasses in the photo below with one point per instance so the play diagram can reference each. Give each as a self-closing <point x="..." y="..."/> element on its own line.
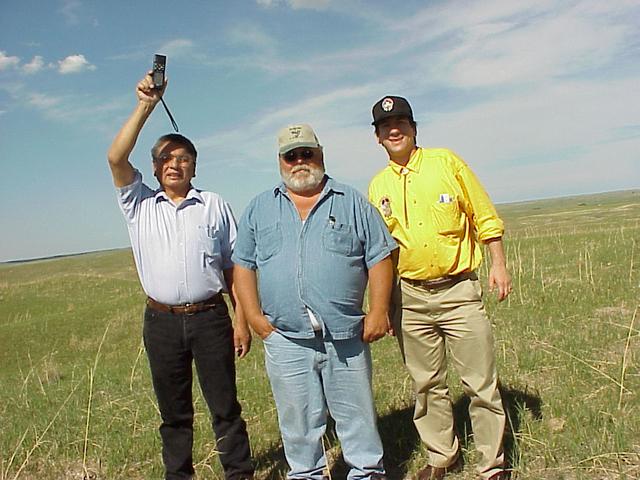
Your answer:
<point x="292" y="155"/>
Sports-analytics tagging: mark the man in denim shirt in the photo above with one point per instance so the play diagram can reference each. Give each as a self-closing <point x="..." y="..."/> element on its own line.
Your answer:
<point x="315" y="242"/>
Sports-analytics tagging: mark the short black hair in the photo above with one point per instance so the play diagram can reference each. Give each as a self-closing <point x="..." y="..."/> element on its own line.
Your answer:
<point x="412" y="122"/>
<point x="176" y="138"/>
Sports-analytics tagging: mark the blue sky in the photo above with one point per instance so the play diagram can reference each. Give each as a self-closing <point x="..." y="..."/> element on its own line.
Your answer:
<point x="541" y="98"/>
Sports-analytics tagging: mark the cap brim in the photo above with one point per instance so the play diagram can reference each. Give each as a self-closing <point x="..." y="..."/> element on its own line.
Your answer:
<point x="389" y="115"/>
<point x="292" y="146"/>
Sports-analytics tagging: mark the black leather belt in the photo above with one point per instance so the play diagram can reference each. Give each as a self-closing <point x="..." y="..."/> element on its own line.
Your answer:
<point x="441" y="282"/>
<point x="187" y="308"/>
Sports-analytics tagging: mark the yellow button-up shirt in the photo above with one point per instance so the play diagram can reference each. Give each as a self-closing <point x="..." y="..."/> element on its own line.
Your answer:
<point x="437" y="211"/>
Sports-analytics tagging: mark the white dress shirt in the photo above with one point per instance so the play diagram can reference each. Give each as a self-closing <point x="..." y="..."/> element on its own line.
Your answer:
<point x="180" y="251"/>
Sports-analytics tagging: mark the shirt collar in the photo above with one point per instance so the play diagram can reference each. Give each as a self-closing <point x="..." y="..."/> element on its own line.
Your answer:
<point x="413" y="165"/>
<point x="193" y="194"/>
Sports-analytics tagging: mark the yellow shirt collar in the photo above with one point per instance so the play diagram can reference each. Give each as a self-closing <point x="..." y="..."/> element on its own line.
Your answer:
<point x="413" y="165"/>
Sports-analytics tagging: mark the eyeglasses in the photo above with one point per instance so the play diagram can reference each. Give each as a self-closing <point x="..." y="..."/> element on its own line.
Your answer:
<point x="292" y="155"/>
<point x="165" y="157"/>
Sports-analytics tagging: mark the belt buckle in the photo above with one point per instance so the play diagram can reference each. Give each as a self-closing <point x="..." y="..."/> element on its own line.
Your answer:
<point x="187" y="309"/>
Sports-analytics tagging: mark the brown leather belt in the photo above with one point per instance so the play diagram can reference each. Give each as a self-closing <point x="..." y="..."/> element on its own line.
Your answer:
<point x="187" y="308"/>
<point x="442" y="282"/>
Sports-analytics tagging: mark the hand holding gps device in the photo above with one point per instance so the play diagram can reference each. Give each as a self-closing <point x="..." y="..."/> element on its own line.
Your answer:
<point x="159" y="65"/>
<point x="157" y="75"/>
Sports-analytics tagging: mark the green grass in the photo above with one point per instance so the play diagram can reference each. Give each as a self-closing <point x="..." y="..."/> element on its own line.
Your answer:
<point x="76" y="399"/>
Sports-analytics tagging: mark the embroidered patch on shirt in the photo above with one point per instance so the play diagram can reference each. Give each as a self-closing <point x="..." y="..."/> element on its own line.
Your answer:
<point x="444" y="198"/>
<point x="385" y="206"/>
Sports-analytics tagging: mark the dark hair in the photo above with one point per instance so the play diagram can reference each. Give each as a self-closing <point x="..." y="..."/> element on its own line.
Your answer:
<point x="176" y="138"/>
<point x="412" y="122"/>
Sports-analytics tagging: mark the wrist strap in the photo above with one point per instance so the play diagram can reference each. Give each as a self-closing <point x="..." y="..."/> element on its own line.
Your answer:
<point x="173" y="122"/>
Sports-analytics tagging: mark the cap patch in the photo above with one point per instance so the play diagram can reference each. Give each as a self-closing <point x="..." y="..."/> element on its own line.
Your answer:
<point x="294" y="136"/>
<point x="391" y="106"/>
<point x="387" y="104"/>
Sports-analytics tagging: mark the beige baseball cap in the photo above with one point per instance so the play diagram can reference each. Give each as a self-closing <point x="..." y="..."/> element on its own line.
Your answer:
<point x="295" y="136"/>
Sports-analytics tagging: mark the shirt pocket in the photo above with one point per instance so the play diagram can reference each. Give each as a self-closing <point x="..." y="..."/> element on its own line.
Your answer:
<point x="210" y="244"/>
<point x="338" y="238"/>
<point x="268" y="242"/>
<point x="447" y="218"/>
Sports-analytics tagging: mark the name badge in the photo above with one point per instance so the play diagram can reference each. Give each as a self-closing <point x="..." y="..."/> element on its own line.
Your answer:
<point x="445" y="198"/>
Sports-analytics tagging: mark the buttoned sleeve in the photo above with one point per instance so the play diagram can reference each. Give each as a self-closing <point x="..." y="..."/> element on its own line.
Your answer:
<point x="478" y="205"/>
<point x="130" y="196"/>
<point x="244" y="252"/>
<point x="228" y="240"/>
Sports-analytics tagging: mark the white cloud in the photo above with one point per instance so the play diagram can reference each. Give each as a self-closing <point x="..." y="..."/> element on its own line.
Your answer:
<point x="447" y="18"/>
<point x="74" y="64"/>
<point x="599" y="169"/>
<point x="70" y="11"/>
<point x="42" y="101"/>
<point x="34" y="66"/>
<point x="558" y="138"/>
<point x="335" y="115"/>
<point x="560" y="91"/>
<point x="493" y="43"/>
<point x="87" y="112"/>
<point x="252" y="36"/>
<point x="297" y="4"/>
<point x="176" y="47"/>
<point x="7" y="61"/>
<point x="547" y="118"/>
<point x="309" y="4"/>
<point x="551" y="46"/>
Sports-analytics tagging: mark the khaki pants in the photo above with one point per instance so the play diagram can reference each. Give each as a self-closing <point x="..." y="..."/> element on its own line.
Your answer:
<point x="430" y="321"/>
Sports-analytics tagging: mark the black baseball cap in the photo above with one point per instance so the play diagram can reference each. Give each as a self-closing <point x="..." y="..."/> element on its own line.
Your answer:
<point x="391" y="106"/>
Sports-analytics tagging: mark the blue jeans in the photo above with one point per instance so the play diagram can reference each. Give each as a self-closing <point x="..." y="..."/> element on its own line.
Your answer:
<point x="310" y="377"/>
<point x="173" y="342"/>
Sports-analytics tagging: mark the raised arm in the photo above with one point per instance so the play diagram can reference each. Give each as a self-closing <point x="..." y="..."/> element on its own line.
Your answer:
<point x="118" y="156"/>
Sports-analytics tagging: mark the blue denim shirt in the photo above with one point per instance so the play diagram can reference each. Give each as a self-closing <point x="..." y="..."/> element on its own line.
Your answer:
<point x="321" y="263"/>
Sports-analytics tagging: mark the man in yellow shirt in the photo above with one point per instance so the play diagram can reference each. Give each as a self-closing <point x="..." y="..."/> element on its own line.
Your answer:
<point x="440" y="216"/>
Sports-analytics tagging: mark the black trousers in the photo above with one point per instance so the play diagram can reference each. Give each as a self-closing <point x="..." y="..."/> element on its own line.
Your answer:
<point x="173" y="342"/>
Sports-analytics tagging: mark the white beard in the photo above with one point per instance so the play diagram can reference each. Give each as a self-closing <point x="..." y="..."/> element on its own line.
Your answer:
<point x="303" y="178"/>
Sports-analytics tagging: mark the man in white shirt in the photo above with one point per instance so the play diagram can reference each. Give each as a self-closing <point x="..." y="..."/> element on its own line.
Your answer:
<point x="182" y="240"/>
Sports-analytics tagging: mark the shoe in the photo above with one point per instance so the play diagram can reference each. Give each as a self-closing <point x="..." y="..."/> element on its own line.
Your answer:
<point x="437" y="473"/>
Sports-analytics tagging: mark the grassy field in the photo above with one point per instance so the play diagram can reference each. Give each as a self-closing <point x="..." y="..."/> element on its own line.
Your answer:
<point x="76" y="400"/>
